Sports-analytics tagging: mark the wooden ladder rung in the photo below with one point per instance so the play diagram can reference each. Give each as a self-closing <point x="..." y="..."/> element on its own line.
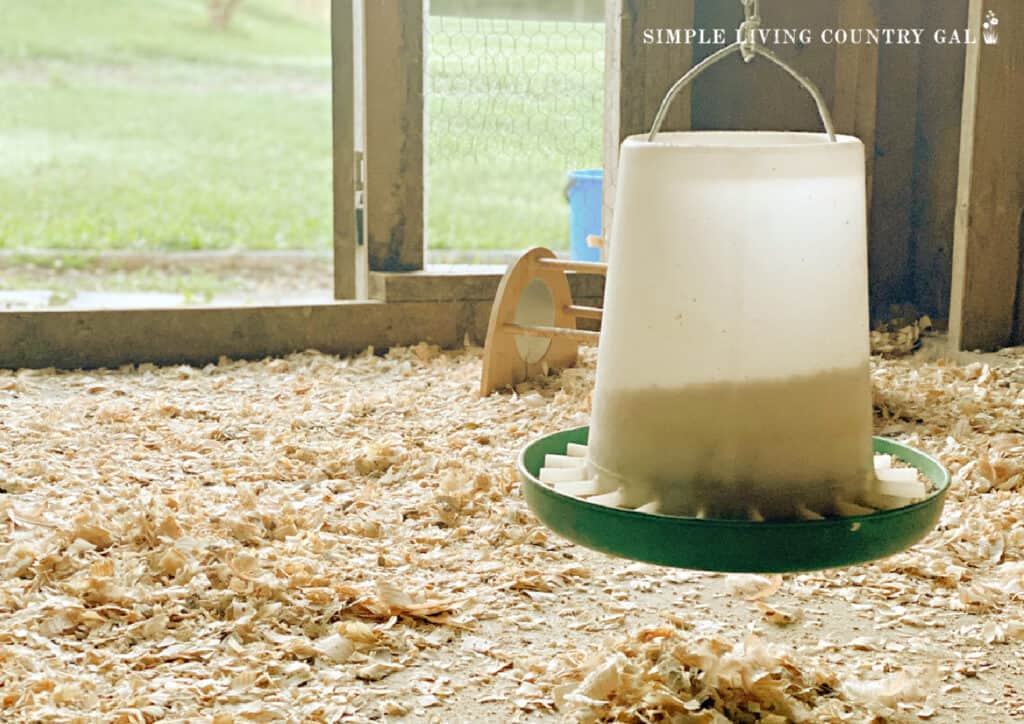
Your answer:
<point x="581" y="336"/>
<point x="583" y="267"/>
<point x="582" y="312"/>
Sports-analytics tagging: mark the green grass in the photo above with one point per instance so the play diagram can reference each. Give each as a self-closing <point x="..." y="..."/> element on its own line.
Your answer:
<point x="162" y="169"/>
<point x="131" y="124"/>
<point x="99" y="31"/>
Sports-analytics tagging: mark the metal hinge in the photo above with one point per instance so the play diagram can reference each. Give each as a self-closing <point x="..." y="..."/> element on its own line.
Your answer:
<point x="359" y="171"/>
<point x="359" y="184"/>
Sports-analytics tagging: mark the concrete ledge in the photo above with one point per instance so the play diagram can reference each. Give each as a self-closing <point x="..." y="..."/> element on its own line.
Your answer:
<point x="446" y="306"/>
<point x="462" y="283"/>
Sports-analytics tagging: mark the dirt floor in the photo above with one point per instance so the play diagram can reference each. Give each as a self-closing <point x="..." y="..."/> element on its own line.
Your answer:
<point x="324" y="539"/>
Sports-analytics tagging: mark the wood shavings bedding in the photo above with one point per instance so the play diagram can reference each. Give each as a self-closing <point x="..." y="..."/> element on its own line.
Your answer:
<point x="900" y="335"/>
<point x="666" y="674"/>
<point x="324" y="539"/>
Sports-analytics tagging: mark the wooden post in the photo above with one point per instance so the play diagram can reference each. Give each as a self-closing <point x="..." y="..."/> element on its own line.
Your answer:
<point x="343" y="111"/>
<point x="637" y="76"/>
<point x="986" y="245"/>
<point x="394" y="67"/>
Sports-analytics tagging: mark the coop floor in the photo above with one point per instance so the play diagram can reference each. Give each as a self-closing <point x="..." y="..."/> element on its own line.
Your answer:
<point x="314" y="538"/>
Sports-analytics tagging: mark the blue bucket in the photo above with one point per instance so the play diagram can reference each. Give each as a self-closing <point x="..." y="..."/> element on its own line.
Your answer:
<point x="585" y="204"/>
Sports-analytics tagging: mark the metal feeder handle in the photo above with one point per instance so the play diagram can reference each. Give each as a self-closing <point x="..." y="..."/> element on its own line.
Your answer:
<point x="819" y="100"/>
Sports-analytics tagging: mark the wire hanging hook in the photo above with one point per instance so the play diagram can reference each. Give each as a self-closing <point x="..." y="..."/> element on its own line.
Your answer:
<point x="747" y="45"/>
<point x="748" y="29"/>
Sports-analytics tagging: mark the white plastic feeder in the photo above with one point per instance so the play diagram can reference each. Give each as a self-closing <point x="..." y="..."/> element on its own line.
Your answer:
<point x="732" y="375"/>
<point x="731" y="427"/>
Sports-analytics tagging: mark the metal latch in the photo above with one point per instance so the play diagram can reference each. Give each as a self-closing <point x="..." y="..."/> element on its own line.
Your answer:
<point x="359" y="184"/>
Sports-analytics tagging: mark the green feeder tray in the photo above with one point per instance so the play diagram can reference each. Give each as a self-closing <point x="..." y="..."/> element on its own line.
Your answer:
<point x="733" y="546"/>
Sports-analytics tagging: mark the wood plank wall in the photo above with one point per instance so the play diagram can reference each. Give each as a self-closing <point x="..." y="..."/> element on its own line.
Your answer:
<point x="902" y="101"/>
<point x="855" y="104"/>
<point x="733" y="95"/>
<point x="986" y="301"/>
<point x="936" y="159"/>
<point x="890" y="258"/>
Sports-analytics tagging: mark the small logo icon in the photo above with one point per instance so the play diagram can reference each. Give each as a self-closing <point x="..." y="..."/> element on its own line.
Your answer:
<point x="990" y="28"/>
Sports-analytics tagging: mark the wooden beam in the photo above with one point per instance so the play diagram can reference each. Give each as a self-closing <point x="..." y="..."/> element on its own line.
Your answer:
<point x="343" y="111"/>
<point x="480" y="284"/>
<point x="109" y="338"/>
<point x="637" y="76"/>
<point x="394" y="133"/>
<point x="986" y="245"/>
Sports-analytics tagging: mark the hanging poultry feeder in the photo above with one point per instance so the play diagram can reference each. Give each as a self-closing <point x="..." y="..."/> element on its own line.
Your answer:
<point x="731" y="425"/>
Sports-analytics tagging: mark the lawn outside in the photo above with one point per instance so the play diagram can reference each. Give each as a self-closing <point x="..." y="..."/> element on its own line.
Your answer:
<point x="134" y="125"/>
<point x="138" y="127"/>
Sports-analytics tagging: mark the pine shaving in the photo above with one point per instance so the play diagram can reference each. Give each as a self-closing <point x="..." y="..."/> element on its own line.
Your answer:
<point x="322" y="539"/>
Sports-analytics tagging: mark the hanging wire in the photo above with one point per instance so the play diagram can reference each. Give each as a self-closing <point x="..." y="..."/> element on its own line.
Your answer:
<point x="748" y="29"/>
<point x="748" y="47"/>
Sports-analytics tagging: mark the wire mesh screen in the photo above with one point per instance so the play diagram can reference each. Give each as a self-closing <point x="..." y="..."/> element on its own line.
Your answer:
<point x="513" y="105"/>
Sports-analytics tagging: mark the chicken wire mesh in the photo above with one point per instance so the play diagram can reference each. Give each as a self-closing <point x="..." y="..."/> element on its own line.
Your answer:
<point x="513" y="105"/>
